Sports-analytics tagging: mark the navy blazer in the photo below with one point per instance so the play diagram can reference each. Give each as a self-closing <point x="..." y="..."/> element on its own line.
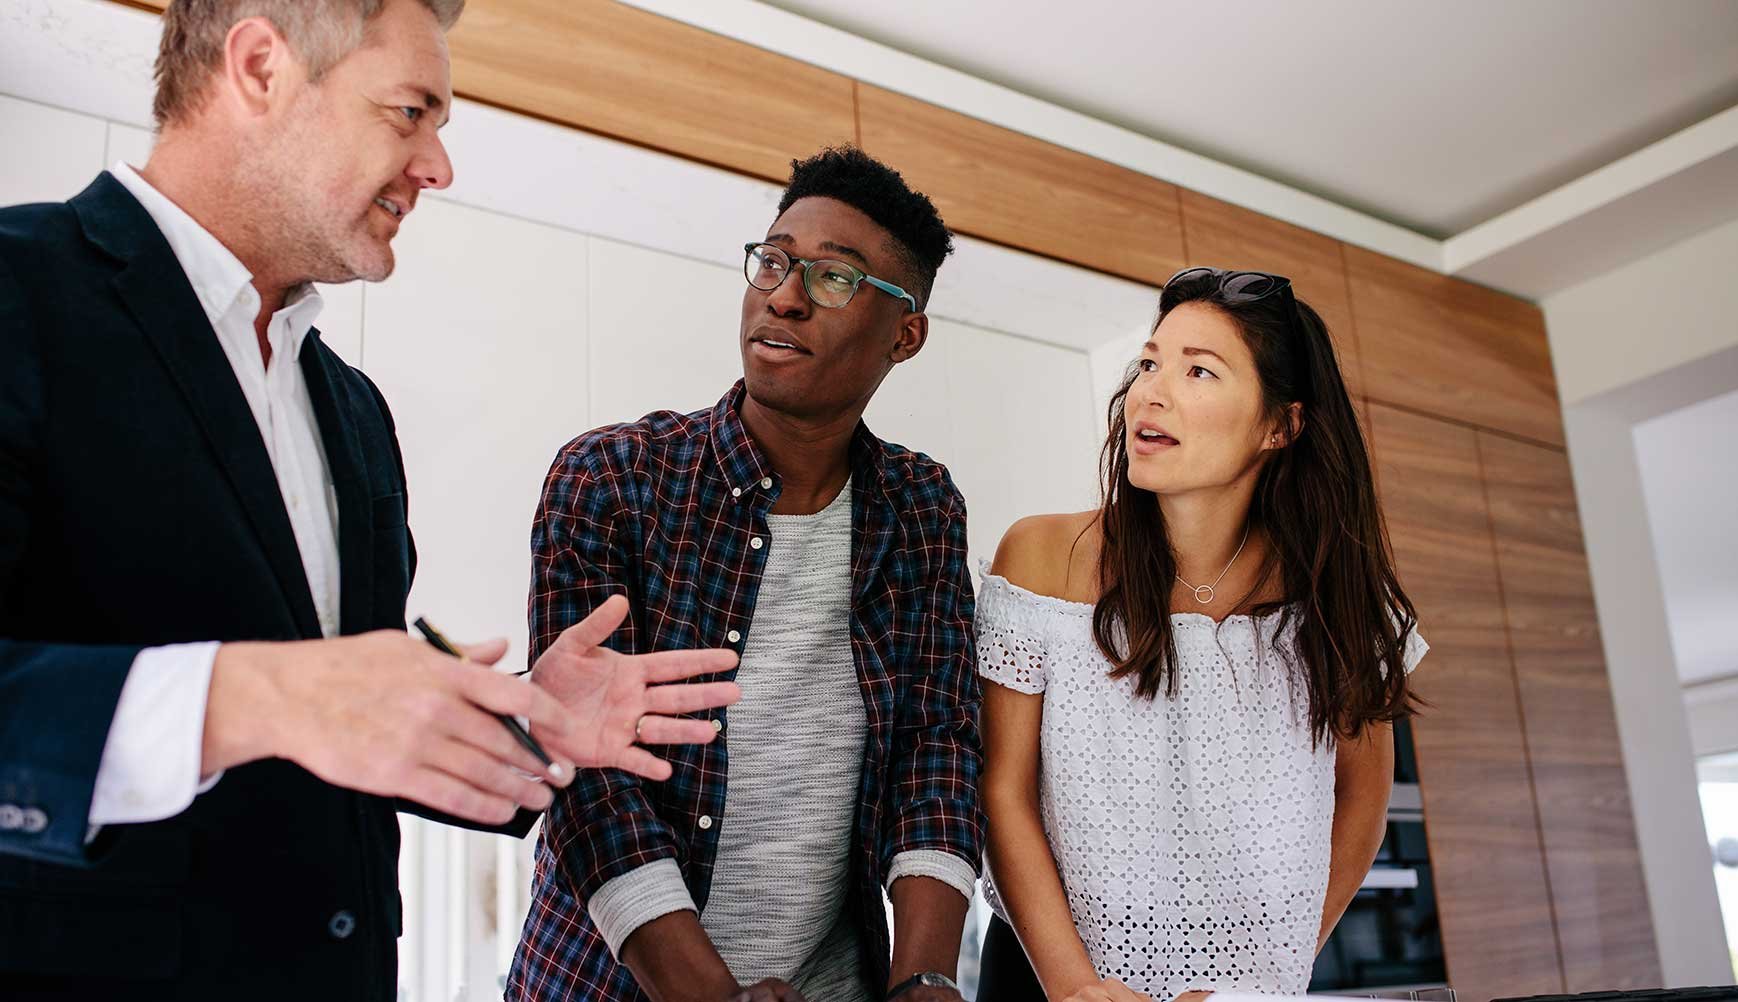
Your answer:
<point x="138" y="507"/>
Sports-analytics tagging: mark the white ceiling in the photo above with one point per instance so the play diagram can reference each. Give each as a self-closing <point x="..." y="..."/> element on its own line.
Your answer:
<point x="1436" y="116"/>
<point x="1689" y="472"/>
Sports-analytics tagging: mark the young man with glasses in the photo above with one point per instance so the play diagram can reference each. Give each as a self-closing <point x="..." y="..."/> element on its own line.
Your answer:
<point x="777" y="525"/>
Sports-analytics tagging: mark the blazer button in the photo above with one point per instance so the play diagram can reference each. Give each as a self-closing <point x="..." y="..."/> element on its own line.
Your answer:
<point x="35" y="821"/>
<point x="342" y="925"/>
<point x="11" y="818"/>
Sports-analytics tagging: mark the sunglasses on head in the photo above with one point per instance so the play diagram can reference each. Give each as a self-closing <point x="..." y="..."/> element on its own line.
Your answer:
<point x="1236" y="286"/>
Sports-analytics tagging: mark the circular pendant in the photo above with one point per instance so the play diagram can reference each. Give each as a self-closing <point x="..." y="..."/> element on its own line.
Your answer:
<point x="1204" y="594"/>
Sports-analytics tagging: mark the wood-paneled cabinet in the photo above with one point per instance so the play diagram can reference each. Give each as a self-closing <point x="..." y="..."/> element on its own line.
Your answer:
<point x="1485" y="853"/>
<point x="1444" y="346"/>
<point x="619" y="71"/>
<point x="1600" y="903"/>
<point x="1026" y="193"/>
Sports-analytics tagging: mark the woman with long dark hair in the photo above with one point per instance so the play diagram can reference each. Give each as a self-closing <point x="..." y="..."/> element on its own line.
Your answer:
<point x="1188" y="745"/>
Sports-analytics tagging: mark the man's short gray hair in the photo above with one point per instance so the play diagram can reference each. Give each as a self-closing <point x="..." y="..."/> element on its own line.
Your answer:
<point x="322" y="33"/>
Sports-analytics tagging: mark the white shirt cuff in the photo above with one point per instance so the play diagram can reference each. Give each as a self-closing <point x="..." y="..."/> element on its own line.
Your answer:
<point x="150" y="764"/>
<point x="939" y="864"/>
<point x="629" y="901"/>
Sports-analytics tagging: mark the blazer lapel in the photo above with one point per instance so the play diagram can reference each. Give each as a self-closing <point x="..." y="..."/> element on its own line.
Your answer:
<point x="163" y="304"/>
<point x="334" y="411"/>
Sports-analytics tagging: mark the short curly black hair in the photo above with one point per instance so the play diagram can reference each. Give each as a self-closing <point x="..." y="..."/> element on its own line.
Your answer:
<point x="846" y="173"/>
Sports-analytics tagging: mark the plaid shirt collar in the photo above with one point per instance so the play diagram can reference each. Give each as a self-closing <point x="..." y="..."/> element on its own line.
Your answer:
<point x="744" y="466"/>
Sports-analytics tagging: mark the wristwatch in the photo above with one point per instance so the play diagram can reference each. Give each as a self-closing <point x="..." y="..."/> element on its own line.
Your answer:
<point x="927" y="978"/>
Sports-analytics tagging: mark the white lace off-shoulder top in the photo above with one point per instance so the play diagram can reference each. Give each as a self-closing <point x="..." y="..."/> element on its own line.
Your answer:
<point x="1192" y="833"/>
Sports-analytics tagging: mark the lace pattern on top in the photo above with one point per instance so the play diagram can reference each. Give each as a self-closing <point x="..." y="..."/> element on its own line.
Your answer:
<point x="1193" y="833"/>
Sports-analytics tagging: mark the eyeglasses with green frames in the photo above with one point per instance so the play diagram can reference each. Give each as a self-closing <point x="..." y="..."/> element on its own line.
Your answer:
<point x="828" y="283"/>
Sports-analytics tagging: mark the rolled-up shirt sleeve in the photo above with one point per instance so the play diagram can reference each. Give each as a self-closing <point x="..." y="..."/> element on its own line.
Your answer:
<point x="937" y="864"/>
<point x="629" y="901"/>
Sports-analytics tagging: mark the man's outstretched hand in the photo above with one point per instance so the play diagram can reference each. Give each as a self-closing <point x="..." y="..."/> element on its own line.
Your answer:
<point x="618" y="702"/>
<point x="389" y="715"/>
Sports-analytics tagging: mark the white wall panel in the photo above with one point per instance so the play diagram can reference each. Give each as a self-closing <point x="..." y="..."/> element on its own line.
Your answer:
<point x="535" y="170"/>
<point x="340" y="321"/>
<point x="1027" y="442"/>
<point x="663" y="332"/>
<point x="914" y="406"/>
<point x="129" y="143"/>
<point x="50" y="154"/>
<point x="479" y="346"/>
<point x="86" y="55"/>
<point x="988" y="285"/>
<point x="1110" y="364"/>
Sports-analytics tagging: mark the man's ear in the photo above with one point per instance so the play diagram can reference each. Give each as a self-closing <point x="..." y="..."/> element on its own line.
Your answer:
<point x="913" y="335"/>
<point x="257" y="66"/>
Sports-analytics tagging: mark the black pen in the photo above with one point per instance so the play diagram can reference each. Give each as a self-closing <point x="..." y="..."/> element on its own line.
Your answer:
<point x="433" y="636"/>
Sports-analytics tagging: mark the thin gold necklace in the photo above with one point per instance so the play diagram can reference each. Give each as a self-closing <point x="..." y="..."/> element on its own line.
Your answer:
<point x="1204" y="593"/>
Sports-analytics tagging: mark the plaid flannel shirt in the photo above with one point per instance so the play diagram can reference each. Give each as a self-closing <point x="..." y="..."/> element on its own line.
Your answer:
<point x="668" y="510"/>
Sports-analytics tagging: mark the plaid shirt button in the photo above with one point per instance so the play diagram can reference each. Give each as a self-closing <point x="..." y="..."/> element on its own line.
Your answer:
<point x="755" y="543"/>
<point x="736" y="492"/>
<point x="705" y="821"/>
<point x="766" y="483"/>
<point x="733" y="636"/>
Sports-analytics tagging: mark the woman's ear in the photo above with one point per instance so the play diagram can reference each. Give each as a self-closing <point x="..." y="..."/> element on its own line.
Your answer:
<point x="1280" y="437"/>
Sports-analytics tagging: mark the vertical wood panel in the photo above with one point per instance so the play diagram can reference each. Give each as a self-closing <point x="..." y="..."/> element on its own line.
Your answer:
<point x="1437" y="344"/>
<point x="998" y="184"/>
<point x="1492" y="895"/>
<point x="1599" y="898"/>
<point x="1223" y="235"/>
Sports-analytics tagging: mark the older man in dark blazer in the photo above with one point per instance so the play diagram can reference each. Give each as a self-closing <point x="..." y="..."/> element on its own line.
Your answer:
<point x="209" y="709"/>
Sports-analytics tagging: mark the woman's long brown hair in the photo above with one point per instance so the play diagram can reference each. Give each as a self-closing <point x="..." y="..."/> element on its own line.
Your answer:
<point x="1315" y="499"/>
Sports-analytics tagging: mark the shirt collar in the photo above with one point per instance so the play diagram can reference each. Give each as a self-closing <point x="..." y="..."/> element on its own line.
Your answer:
<point x="745" y="467"/>
<point x="218" y="277"/>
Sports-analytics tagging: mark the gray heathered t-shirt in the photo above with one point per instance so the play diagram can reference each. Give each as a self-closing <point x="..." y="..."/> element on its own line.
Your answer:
<point x="782" y="872"/>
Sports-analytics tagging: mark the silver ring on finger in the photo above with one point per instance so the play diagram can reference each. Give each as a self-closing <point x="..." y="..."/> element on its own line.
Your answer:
<point x="637" y="725"/>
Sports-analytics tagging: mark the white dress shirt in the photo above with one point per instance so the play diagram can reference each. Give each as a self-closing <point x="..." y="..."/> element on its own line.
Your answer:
<point x="150" y="764"/>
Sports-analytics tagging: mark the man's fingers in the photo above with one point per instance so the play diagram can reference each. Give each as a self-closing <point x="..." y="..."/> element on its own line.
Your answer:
<point x="488" y="774"/>
<point x="692" y="698"/>
<point x="547" y="712"/>
<point x="597" y="627"/>
<point x="656" y="730"/>
<point x="674" y="666"/>
<point x="643" y="763"/>
<point x="515" y="697"/>
<point x="433" y="788"/>
<point x="768" y="990"/>
<point x="486" y="653"/>
<point x="488" y="735"/>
